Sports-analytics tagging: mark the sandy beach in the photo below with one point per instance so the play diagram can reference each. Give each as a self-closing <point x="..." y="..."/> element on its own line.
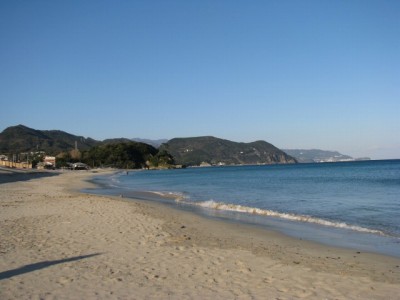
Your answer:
<point x="57" y="243"/>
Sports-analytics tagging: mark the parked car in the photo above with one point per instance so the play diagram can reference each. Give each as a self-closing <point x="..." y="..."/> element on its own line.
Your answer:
<point x="79" y="166"/>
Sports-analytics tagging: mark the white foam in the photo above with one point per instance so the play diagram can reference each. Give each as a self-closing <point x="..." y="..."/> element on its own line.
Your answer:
<point x="115" y="178"/>
<point x="178" y="197"/>
<point x="287" y="216"/>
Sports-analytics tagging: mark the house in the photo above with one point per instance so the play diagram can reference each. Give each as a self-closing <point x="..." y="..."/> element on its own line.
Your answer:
<point x="49" y="161"/>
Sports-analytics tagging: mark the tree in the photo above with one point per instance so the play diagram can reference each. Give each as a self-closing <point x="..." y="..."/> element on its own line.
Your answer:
<point x="127" y="155"/>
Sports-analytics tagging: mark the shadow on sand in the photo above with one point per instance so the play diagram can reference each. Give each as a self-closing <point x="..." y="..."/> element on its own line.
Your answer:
<point x="41" y="265"/>
<point x="9" y="175"/>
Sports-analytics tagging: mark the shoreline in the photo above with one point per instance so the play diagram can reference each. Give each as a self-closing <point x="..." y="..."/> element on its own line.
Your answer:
<point x="336" y="234"/>
<point x="109" y="247"/>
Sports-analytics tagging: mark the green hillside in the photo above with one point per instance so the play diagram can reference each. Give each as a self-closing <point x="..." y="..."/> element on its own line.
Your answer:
<point x="117" y="153"/>
<point x="18" y="139"/>
<point x="127" y="155"/>
<point x="196" y="150"/>
<point x="124" y="153"/>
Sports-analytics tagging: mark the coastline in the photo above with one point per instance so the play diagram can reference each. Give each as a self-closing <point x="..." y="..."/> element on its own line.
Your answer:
<point x="60" y="243"/>
<point x="323" y="222"/>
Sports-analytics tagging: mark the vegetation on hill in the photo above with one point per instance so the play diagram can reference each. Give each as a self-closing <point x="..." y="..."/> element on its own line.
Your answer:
<point x="130" y="155"/>
<point x="18" y="139"/>
<point x="124" y="153"/>
<point x="214" y="151"/>
<point x="117" y="153"/>
<point x="154" y="143"/>
<point x="117" y="140"/>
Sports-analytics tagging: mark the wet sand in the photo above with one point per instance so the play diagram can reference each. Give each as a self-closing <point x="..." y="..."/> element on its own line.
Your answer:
<point x="57" y="243"/>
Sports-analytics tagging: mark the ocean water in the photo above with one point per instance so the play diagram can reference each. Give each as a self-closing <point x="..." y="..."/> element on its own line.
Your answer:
<point x="352" y="204"/>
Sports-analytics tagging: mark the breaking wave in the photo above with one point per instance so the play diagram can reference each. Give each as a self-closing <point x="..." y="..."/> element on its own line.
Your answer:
<point x="287" y="216"/>
<point x="114" y="181"/>
<point x="178" y="197"/>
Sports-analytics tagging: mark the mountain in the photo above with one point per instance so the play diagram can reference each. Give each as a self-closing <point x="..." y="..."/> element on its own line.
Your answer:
<point x="116" y="141"/>
<point x="18" y="139"/>
<point x="186" y="151"/>
<point x="316" y="155"/>
<point x="154" y="143"/>
<point x="118" y="152"/>
<point x="214" y="151"/>
<point x="127" y="155"/>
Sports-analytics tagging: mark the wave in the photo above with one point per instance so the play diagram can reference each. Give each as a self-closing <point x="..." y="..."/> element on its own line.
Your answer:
<point x="178" y="197"/>
<point x="287" y="216"/>
<point x="184" y="198"/>
<point x="115" y="179"/>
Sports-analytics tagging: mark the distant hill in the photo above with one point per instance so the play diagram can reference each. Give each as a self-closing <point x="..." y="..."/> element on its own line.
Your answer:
<point x="211" y="150"/>
<point x="186" y="151"/>
<point x="118" y="152"/>
<point x="127" y="155"/>
<point x="17" y="139"/>
<point x="316" y="155"/>
<point x="154" y="143"/>
<point x="20" y="138"/>
<point x="116" y="140"/>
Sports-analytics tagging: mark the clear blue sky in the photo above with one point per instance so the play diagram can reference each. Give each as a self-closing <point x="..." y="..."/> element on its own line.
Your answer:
<point x="298" y="74"/>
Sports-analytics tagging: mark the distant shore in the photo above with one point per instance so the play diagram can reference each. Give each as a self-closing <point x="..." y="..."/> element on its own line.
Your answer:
<point x="59" y="243"/>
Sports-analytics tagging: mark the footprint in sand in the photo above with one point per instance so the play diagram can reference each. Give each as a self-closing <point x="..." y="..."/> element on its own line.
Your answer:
<point x="242" y="267"/>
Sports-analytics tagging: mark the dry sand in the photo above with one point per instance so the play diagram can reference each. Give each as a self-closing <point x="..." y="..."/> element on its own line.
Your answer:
<point x="59" y="244"/>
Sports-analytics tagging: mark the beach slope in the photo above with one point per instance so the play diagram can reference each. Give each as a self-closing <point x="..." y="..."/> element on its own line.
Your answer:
<point x="57" y="243"/>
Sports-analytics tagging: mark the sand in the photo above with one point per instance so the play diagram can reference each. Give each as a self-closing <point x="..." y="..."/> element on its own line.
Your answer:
<point x="56" y="243"/>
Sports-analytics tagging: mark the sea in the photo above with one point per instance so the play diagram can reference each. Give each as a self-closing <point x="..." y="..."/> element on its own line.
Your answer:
<point x="347" y="204"/>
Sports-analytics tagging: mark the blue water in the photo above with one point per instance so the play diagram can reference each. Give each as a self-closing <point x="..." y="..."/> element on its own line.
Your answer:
<point x="352" y="204"/>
